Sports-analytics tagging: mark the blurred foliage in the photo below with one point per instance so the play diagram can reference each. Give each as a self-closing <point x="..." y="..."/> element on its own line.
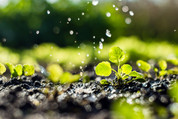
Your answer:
<point x="71" y="57"/>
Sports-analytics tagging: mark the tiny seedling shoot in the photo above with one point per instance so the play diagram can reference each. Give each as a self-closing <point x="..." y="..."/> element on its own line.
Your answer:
<point x="116" y="56"/>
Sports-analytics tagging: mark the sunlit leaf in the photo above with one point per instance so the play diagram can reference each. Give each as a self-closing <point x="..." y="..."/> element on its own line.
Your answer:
<point x="116" y="55"/>
<point x="162" y="64"/>
<point x="162" y="73"/>
<point x="126" y="69"/>
<point x="11" y="67"/>
<point x="68" y="78"/>
<point x="18" y="70"/>
<point x="103" y="69"/>
<point x="28" y="70"/>
<point x="55" y="72"/>
<point x="144" y="66"/>
<point x="104" y="82"/>
<point x="2" y="69"/>
<point x="135" y="74"/>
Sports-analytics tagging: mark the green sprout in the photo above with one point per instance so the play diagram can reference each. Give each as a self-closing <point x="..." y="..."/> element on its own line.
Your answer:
<point x="144" y="66"/>
<point x="116" y="55"/>
<point x="28" y="70"/>
<point x="163" y="66"/>
<point x="56" y="74"/>
<point x="2" y="69"/>
<point x="19" y="70"/>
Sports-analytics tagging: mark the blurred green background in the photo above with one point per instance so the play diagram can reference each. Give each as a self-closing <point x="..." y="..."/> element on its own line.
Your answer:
<point x="69" y="31"/>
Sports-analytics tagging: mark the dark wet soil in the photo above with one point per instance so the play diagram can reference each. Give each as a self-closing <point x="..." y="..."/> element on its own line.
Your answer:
<point x="37" y="98"/>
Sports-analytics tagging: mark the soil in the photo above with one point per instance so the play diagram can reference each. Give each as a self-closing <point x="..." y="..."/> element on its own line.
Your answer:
<point x="36" y="97"/>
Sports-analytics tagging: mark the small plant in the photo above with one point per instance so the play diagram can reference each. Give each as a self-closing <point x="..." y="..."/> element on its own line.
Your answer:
<point x="2" y="69"/>
<point x="56" y="74"/>
<point x="163" y="66"/>
<point x="144" y="66"/>
<point x="19" y="70"/>
<point x="116" y="55"/>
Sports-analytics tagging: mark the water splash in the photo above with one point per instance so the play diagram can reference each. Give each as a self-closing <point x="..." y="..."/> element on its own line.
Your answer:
<point x="95" y="2"/>
<point x="125" y="8"/>
<point x="108" y="34"/>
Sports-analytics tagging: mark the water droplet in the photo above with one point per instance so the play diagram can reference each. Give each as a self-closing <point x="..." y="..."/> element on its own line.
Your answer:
<point x="125" y="8"/>
<point x="78" y="19"/>
<point x="113" y="5"/>
<point x="108" y="34"/>
<point x="116" y="8"/>
<point x="99" y="52"/>
<point x="4" y="40"/>
<point x="88" y="55"/>
<point x="75" y="41"/>
<point x="81" y="67"/>
<point x="108" y="14"/>
<point x="94" y="47"/>
<point x="175" y="30"/>
<point x="131" y="13"/>
<point x="57" y="60"/>
<point x="82" y="62"/>
<point x="95" y="2"/>
<point x="71" y="32"/>
<point x="37" y="32"/>
<point x="102" y="39"/>
<point x="94" y="37"/>
<point x="100" y="45"/>
<point x="93" y="42"/>
<point x="128" y="20"/>
<point x="50" y="55"/>
<point x="78" y="53"/>
<point x="69" y="19"/>
<point x="95" y="58"/>
<point x="83" y="13"/>
<point x="48" y="12"/>
<point x="81" y="73"/>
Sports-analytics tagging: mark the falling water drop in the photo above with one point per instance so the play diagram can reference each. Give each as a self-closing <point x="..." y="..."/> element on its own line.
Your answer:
<point x="102" y="39"/>
<point x="116" y="8"/>
<point x="131" y="13"/>
<point x="71" y="32"/>
<point x="125" y="8"/>
<point x="108" y="34"/>
<point x="48" y="12"/>
<point x="128" y="20"/>
<point x="69" y="19"/>
<point x="100" y="45"/>
<point x="88" y="55"/>
<point x="83" y="13"/>
<point x="95" y="2"/>
<point x="37" y="32"/>
<point x="108" y="14"/>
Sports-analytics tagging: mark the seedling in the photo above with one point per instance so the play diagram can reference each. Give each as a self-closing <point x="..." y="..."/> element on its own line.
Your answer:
<point x="56" y="74"/>
<point x="116" y="55"/>
<point x="144" y="66"/>
<point x="19" y="70"/>
<point x="2" y="69"/>
<point x="162" y="65"/>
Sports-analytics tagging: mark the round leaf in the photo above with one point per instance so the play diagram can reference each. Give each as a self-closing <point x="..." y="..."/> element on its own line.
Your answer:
<point x="144" y="66"/>
<point x="28" y="70"/>
<point x="126" y="69"/>
<point x="2" y="69"/>
<point x="103" y="69"/>
<point x="18" y="70"/>
<point x="116" y="55"/>
<point x="162" y="64"/>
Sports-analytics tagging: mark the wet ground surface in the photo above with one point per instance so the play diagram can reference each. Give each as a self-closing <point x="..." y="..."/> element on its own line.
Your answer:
<point x="36" y="97"/>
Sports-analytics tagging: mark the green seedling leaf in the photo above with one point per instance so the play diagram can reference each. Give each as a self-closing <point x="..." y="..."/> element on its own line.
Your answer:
<point x="116" y="55"/>
<point x="144" y="66"/>
<point x="162" y="64"/>
<point x="28" y="70"/>
<point x="11" y="67"/>
<point x="55" y="72"/>
<point x="104" y="82"/>
<point x="173" y="91"/>
<point x="125" y="77"/>
<point x="136" y="74"/>
<point x="2" y="69"/>
<point x="68" y="78"/>
<point x="162" y="73"/>
<point x="126" y="69"/>
<point x="103" y="69"/>
<point x="155" y="69"/>
<point x="17" y="70"/>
